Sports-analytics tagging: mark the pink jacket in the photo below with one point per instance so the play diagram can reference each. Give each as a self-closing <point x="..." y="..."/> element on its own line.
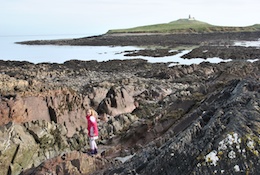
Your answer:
<point x="92" y="126"/>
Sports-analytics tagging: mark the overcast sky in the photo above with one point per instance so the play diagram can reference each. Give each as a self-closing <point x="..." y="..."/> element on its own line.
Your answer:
<point x="44" y="17"/>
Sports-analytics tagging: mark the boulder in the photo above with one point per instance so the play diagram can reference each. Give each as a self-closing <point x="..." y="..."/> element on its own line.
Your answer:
<point x="117" y="101"/>
<point x="28" y="145"/>
<point x="16" y="153"/>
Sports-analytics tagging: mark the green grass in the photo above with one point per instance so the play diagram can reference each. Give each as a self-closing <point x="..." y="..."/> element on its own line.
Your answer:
<point x="257" y="26"/>
<point x="184" y="26"/>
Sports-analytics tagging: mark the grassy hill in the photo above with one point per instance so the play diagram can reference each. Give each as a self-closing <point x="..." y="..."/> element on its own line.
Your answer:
<point x="184" y="26"/>
<point x="257" y="26"/>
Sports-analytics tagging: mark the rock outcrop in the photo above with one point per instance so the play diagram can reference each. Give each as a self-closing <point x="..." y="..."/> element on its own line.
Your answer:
<point x="197" y="119"/>
<point x="71" y="163"/>
<point x="220" y="136"/>
<point x="31" y="143"/>
<point x="117" y="101"/>
<point x="224" y="52"/>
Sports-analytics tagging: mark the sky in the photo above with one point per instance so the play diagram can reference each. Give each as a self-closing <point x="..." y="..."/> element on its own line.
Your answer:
<point x="88" y="17"/>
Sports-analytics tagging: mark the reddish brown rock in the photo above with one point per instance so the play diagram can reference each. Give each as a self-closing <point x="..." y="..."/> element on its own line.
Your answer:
<point x="117" y="101"/>
<point x="75" y="163"/>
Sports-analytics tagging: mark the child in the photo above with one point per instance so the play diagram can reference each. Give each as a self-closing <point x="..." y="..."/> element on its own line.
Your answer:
<point x="92" y="130"/>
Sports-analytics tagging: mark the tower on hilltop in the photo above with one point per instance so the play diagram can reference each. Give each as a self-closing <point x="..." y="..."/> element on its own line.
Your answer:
<point x="191" y="18"/>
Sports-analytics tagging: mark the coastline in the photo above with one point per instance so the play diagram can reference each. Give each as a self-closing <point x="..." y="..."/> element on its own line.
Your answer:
<point x="143" y="39"/>
<point x="153" y="111"/>
<point x="217" y="45"/>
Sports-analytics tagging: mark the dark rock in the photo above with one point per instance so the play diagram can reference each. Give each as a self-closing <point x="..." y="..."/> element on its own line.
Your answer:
<point x="169" y="40"/>
<point x="224" y="52"/>
<point x="151" y="53"/>
<point x="117" y="101"/>
<point x="206" y="147"/>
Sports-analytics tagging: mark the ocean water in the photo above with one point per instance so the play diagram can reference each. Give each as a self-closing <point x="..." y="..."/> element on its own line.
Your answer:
<point x="60" y="54"/>
<point x="54" y="54"/>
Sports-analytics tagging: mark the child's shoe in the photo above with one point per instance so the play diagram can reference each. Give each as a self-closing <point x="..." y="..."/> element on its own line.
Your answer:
<point x="91" y="152"/>
<point x="95" y="151"/>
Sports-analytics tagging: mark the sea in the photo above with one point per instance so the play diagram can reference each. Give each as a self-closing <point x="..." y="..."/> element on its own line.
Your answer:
<point x="9" y="50"/>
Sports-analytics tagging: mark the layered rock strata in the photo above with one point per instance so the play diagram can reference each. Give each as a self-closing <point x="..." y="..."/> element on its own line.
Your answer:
<point x="200" y="119"/>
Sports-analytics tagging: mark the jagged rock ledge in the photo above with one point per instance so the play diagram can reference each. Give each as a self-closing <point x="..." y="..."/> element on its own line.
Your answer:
<point x="190" y="119"/>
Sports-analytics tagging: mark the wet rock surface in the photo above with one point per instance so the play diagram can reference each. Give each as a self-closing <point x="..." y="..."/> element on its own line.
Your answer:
<point x="224" y="52"/>
<point x="153" y="118"/>
<point x="151" y="53"/>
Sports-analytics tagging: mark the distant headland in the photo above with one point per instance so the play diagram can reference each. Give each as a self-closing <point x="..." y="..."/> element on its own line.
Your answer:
<point x="184" y="26"/>
<point x="182" y="32"/>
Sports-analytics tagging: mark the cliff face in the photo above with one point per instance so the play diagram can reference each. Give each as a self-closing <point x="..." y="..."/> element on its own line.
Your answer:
<point x="200" y="119"/>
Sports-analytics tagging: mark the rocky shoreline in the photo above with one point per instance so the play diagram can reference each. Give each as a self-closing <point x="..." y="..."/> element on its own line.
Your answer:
<point x="153" y="118"/>
<point x="208" y="45"/>
<point x="146" y="39"/>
